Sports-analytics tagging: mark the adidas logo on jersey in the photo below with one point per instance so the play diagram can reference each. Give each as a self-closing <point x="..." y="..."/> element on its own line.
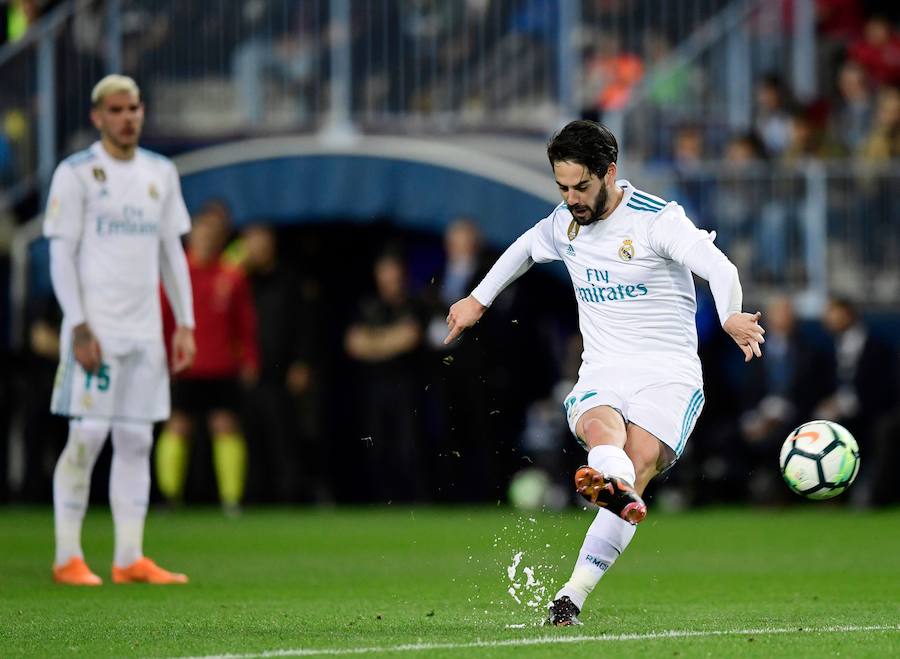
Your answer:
<point x="570" y="251"/>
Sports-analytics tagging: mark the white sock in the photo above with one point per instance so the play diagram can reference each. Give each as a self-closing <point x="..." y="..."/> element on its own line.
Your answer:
<point x="607" y="537"/>
<point x="612" y="461"/>
<point x="72" y="484"/>
<point x="129" y="488"/>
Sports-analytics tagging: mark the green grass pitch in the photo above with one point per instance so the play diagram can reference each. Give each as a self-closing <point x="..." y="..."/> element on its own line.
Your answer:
<point x="813" y="581"/>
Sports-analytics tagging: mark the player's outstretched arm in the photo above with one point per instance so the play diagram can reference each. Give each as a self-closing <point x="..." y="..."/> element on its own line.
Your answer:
<point x="463" y="315"/>
<point x="535" y="245"/>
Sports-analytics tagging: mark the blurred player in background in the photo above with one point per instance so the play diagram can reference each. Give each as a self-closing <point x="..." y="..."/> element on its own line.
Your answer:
<point x="288" y="459"/>
<point x="385" y="338"/>
<point x="640" y="389"/>
<point x="466" y="463"/>
<point x="114" y="219"/>
<point x="212" y="388"/>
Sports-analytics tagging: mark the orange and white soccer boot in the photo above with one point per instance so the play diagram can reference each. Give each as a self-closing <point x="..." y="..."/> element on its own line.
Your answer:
<point x="143" y="570"/>
<point x="75" y="573"/>
<point x="611" y="493"/>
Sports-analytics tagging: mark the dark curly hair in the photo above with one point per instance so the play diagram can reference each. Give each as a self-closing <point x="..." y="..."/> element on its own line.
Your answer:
<point x="586" y="143"/>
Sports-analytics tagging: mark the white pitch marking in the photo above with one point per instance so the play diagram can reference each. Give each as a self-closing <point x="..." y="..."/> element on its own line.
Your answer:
<point x="551" y="640"/>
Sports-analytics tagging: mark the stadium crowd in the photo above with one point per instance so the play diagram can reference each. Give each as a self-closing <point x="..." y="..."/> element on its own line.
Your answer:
<point x="448" y="57"/>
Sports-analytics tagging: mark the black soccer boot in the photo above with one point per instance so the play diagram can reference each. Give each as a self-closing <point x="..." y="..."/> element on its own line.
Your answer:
<point x="562" y="613"/>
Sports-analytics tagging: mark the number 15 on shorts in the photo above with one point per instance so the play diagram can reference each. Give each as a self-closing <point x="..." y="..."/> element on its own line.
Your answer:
<point x="99" y="380"/>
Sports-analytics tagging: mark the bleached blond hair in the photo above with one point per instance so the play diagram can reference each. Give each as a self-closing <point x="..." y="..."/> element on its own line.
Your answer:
<point x="113" y="84"/>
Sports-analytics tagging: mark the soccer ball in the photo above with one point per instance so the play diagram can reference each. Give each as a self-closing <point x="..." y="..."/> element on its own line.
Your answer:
<point x="819" y="459"/>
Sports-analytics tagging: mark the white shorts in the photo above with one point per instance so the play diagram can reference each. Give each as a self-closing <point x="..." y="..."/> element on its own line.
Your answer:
<point x="131" y="385"/>
<point x="663" y="405"/>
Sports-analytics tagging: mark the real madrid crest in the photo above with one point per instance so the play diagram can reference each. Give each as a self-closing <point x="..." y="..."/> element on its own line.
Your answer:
<point x="99" y="175"/>
<point x="573" y="229"/>
<point x="154" y="193"/>
<point x="626" y="251"/>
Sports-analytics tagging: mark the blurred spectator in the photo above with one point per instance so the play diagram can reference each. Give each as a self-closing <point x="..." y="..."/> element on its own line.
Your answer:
<point x="464" y="447"/>
<point x="669" y="84"/>
<point x="736" y="200"/>
<point x="424" y="24"/>
<point x="610" y="74"/>
<point x="878" y="51"/>
<point x="226" y="364"/>
<point x="805" y="141"/>
<point x="838" y="23"/>
<point x="751" y="203"/>
<point x="839" y="20"/>
<point x="769" y="27"/>
<point x="385" y="338"/>
<point x="866" y="386"/>
<point x="88" y="29"/>
<point x="853" y="115"/>
<point x="525" y="35"/>
<point x="287" y="459"/>
<point x="883" y="140"/>
<point x="283" y="45"/>
<point x="144" y="32"/>
<point x="17" y="18"/>
<point x="772" y="115"/>
<point x="693" y="185"/>
<point x="780" y="392"/>
<point x="875" y="192"/>
<point x="688" y="151"/>
<point x="673" y="90"/>
<point x="465" y="266"/>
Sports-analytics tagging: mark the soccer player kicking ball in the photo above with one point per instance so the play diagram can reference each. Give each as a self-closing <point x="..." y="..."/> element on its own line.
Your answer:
<point x="115" y="217"/>
<point x="640" y="387"/>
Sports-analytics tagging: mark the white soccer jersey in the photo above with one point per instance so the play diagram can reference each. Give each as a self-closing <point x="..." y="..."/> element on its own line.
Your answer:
<point x="636" y="300"/>
<point x="118" y="211"/>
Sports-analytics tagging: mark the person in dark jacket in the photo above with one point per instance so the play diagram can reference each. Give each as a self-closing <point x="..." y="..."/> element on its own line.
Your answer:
<point x="288" y="461"/>
<point x="865" y="390"/>
<point x="779" y="394"/>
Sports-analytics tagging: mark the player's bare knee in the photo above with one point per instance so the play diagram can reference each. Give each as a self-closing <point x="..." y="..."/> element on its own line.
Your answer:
<point x="602" y="425"/>
<point x="223" y="422"/>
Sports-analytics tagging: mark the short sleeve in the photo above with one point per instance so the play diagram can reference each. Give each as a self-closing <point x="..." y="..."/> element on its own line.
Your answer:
<point x="64" y="215"/>
<point x="175" y="219"/>
<point x="672" y="234"/>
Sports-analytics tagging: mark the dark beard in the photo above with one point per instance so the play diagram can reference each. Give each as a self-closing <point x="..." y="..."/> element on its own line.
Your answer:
<point x="599" y="208"/>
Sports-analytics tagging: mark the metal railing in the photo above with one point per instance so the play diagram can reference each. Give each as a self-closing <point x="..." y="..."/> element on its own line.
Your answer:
<point x="808" y="229"/>
<point x="218" y="69"/>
